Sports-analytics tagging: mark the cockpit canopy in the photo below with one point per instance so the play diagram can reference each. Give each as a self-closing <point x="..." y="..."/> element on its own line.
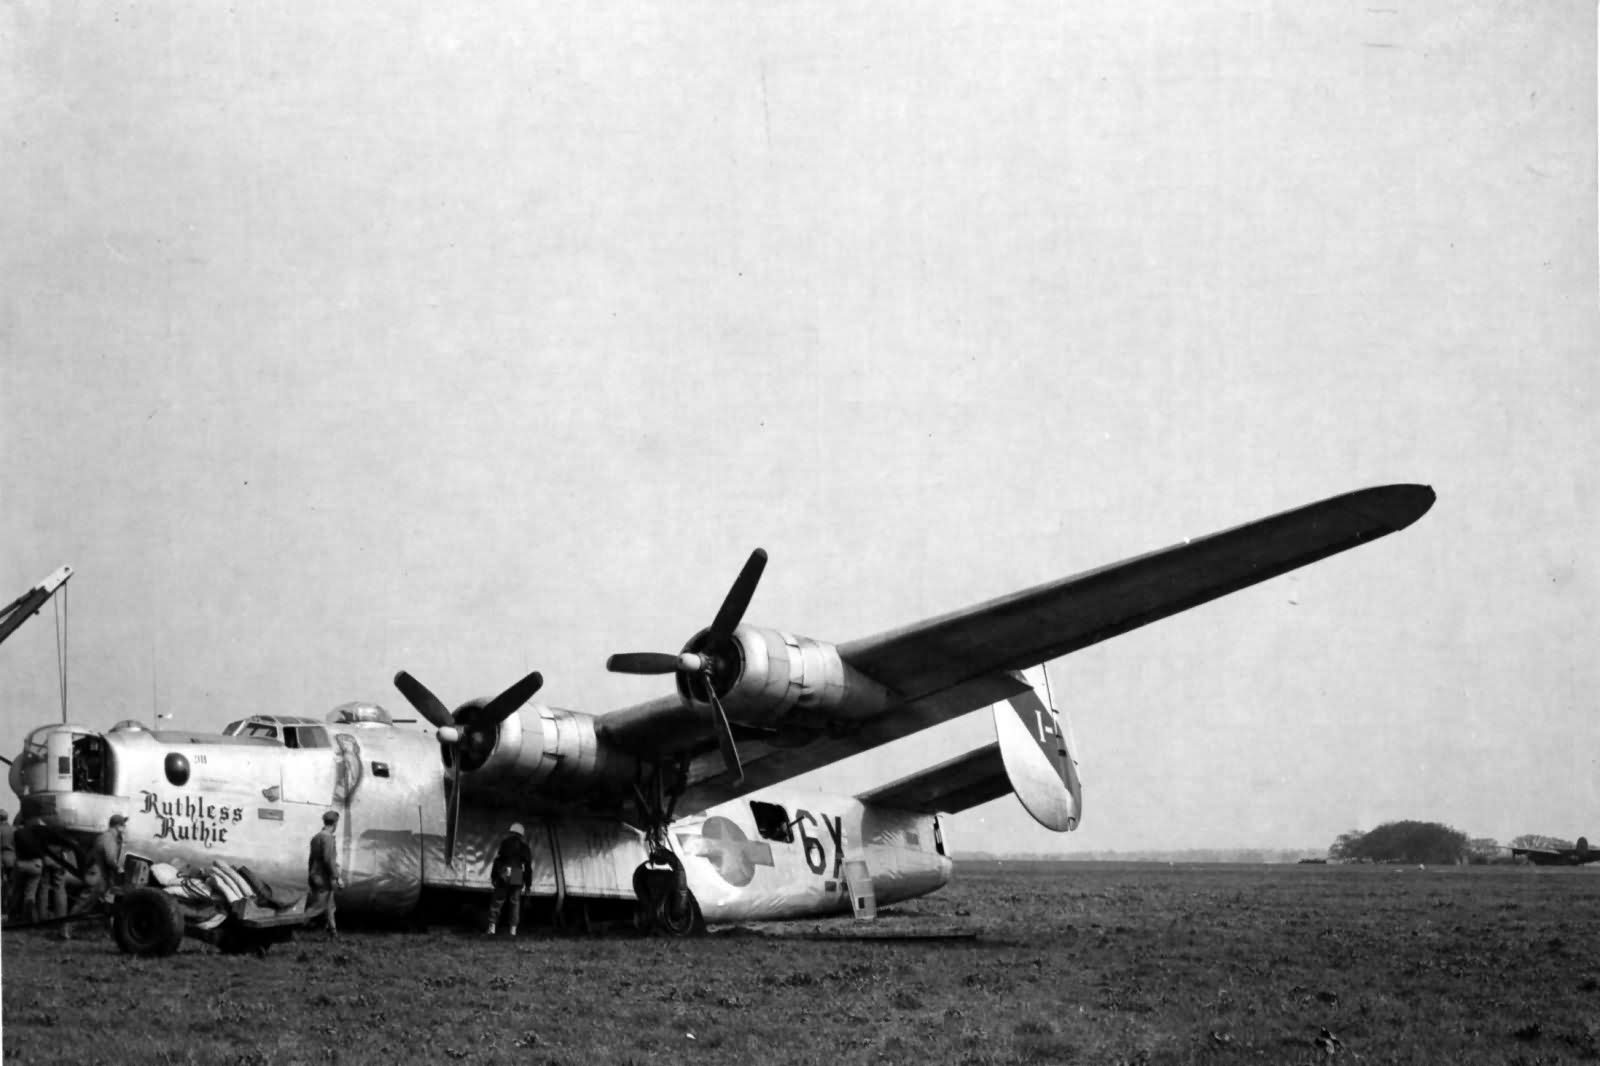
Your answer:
<point x="359" y="714"/>
<point x="291" y="731"/>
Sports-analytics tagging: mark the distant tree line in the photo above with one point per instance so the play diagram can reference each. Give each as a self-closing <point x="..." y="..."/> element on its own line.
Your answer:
<point x="1409" y="842"/>
<point x="1430" y="842"/>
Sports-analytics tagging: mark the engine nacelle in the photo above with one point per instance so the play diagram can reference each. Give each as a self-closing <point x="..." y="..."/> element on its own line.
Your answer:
<point x="554" y="753"/>
<point x="782" y="679"/>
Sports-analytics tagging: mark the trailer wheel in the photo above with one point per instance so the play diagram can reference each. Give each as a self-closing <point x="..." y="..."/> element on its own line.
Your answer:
<point x="148" y="922"/>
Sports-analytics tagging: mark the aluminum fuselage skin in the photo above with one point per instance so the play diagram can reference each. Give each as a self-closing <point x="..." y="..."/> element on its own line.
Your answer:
<point x="257" y="803"/>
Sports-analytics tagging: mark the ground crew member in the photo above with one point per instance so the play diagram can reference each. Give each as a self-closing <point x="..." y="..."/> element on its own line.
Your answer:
<point x="55" y="888"/>
<point x="41" y="878"/>
<point x="105" y="862"/>
<point x="8" y="860"/>
<point x="29" y="844"/>
<point x="322" y="871"/>
<point x="511" y="874"/>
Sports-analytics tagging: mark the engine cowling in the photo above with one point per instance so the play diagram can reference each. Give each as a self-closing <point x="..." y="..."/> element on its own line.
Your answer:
<point x="549" y="751"/>
<point x="768" y="678"/>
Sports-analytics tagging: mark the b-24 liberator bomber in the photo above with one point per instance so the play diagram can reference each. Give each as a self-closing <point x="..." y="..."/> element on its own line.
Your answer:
<point x="681" y="810"/>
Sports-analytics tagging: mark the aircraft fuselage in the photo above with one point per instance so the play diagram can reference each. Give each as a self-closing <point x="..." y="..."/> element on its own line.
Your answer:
<point x="255" y="796"/>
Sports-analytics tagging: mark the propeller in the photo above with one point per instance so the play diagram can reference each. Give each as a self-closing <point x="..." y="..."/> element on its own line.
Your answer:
<point x="711" y="659"/>
<point x="467" y="736"/>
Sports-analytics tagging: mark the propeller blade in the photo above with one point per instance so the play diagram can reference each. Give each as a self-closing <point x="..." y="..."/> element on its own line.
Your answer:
<point x="730" y="751"/>
<point x="452" y="815"/>
<point x="643" y="662"/>
<point x="507" y="703"/>
<point x="426" y="703"/>
<point x="738" y="598"/>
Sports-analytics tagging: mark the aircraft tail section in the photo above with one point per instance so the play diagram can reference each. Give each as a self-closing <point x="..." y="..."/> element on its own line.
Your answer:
<point x="1040" y="754"/>
<point x="1033" y="755"/>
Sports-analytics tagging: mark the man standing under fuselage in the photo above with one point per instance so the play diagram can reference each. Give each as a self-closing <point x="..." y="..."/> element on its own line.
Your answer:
<point x="322" y="872"/>
<point x="511" y="873"/>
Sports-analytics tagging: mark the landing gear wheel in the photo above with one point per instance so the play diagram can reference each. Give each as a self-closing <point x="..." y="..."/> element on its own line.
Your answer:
<point x="148" y="923"/>
<point x="666" y="906"/>
<point x="679" y="917"/>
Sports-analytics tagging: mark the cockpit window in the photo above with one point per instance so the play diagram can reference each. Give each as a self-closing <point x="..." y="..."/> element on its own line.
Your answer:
<point x="260" y="729"/>
<point x="306" y="736"/>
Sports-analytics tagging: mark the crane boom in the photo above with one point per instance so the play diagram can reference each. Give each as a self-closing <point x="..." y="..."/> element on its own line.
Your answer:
<point x="29" y="603"/>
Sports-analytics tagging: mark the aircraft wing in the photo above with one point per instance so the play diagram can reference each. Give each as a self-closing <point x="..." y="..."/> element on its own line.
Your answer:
<point x="1055" y="619"/>
<point x="950" y="665"/>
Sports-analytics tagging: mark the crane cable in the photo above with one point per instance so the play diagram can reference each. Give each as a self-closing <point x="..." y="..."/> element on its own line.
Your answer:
<point x="61" y="648"/>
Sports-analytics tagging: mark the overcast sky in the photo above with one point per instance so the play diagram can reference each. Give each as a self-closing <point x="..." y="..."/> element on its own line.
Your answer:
<point x="347" y="338"/>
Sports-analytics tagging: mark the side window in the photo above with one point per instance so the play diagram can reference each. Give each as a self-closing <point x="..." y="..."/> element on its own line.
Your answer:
<point x="772" y="821"/>
<point x="938" y="835"/>
<point x="291" y="737"/>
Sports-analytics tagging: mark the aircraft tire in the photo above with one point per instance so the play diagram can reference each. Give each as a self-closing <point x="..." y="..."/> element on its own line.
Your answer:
<point x="679" y="921"/>
<point x="148" y="923"/>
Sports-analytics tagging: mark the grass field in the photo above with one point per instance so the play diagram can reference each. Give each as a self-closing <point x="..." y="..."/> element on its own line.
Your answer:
<point x="1081" y="962"/>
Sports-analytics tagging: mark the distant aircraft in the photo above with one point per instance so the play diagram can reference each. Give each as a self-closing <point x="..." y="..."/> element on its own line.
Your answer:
<point x="679" y="810"/>
<point x="1573" y="856"/>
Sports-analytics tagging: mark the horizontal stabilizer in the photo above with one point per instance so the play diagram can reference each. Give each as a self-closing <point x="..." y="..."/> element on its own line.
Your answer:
<point x="965" y="781"/>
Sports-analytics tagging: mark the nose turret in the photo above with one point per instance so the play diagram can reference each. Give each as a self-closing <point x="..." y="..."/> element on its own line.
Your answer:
<point x="65" y="776"/>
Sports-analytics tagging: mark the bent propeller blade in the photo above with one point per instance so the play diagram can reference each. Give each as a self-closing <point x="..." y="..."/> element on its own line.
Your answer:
<point x="452" y="814"/>
<point x="730" y="750"/>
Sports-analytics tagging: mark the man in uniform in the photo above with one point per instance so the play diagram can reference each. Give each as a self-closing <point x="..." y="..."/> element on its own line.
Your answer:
<point x="105" y="861"/>
<point x="8" y="860"/>
<point x="322" y="871"/>
<point x="41" y="890"/>
<point x="511" y="873"/>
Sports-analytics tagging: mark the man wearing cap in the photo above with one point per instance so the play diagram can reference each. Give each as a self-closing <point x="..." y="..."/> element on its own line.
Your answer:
<point x="322" y="871"/>
<point x="511" y="874"/>
<point x="105" y="861"/>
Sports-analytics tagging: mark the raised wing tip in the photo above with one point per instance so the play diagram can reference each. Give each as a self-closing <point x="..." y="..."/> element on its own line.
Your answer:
<point x="1397" y="506"/>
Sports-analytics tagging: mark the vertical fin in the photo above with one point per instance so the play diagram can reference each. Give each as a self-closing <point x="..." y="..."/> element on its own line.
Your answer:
<point x="1036" y="749"/>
